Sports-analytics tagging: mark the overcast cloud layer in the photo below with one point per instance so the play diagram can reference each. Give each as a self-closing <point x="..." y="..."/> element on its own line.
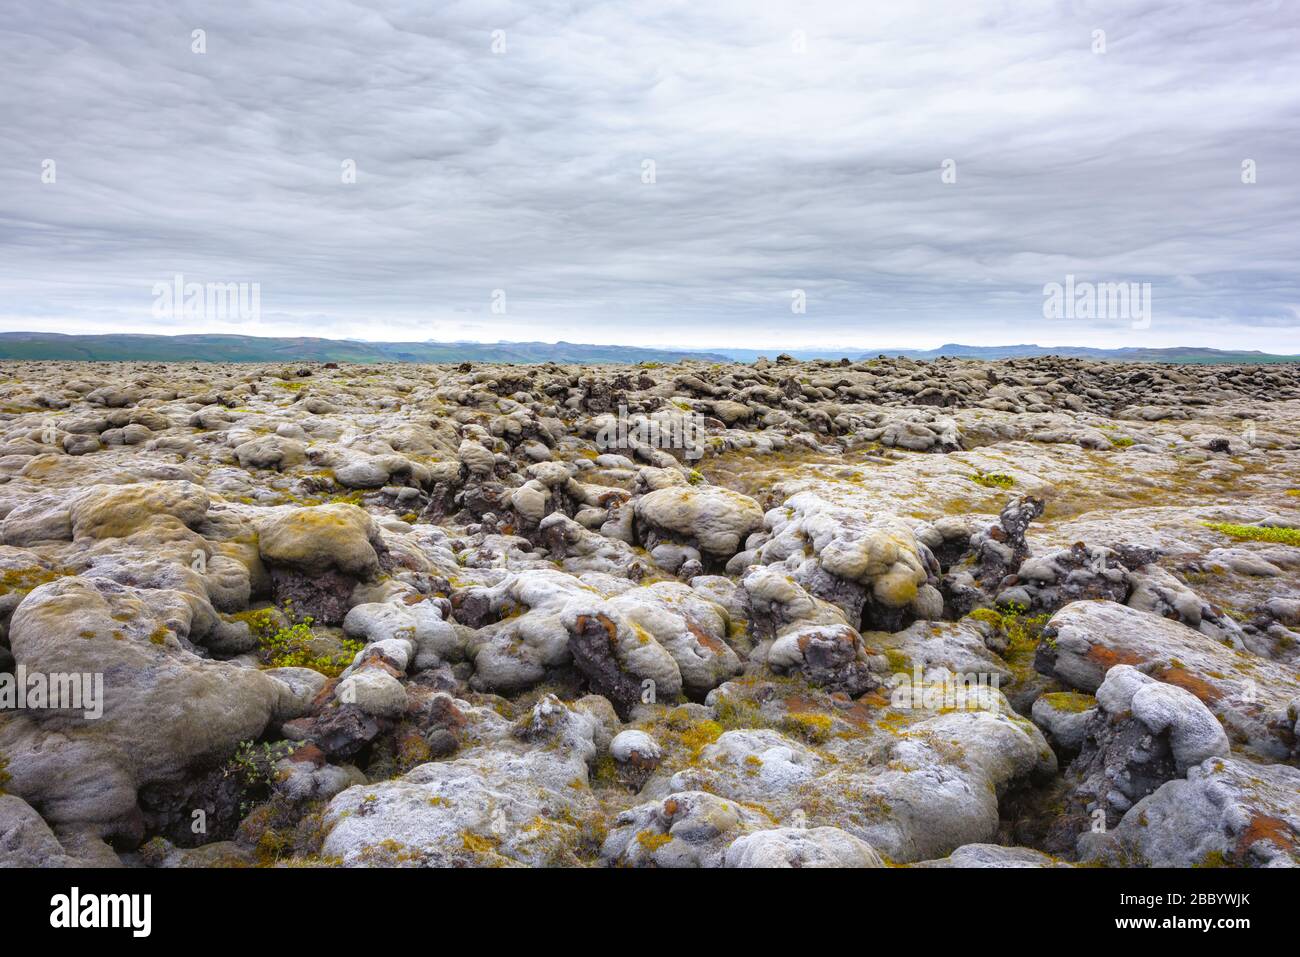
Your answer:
<point x="775" y="170"/>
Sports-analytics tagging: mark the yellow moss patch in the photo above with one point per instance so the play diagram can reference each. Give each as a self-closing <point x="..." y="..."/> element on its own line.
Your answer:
<point x="814" y="728"/>
<point x="652" y="841"/>
<point x="701" y="734"/>
<point x="898" y="662"/>
<point x="738" y="713"/>
<point x="479" y="844"/>
<point x="25" y="579"/>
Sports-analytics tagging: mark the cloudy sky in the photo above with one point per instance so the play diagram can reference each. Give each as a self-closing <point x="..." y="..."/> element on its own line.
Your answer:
<point x="795" y="146"/>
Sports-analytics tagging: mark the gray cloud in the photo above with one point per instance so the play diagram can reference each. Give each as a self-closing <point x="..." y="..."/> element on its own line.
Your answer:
<point x="775" y="170"/>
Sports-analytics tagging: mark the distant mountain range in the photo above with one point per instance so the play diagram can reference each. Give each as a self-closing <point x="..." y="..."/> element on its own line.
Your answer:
<point x="219" y="348"/>
<point x="223" y="348"/>
<point x="1174" y="354"/>
<point x="1179" y="354"/>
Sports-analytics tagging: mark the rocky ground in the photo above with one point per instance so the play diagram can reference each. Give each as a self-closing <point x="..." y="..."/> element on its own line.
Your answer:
<point x="427" y="615"/>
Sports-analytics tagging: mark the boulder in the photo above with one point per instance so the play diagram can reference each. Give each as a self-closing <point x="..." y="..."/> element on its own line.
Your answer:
<point x="799" y="847"/>
<point x="322" y="538"/>
<point x="1249" y="695"/>
<point x="116" y="511"/>
<point x="1227" y="812"/>
<point x="521" y="800"/>
<point x="164" y="708"/>
<point x="687" y="829"/>
<point x="714" y="520"/>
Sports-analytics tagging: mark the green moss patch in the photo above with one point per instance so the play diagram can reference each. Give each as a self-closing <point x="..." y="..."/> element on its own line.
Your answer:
<point x="1070" y="701"/>
<point x="1257" y="533"/>
<point x="291" y="648"/>
<point x="993" y="480"/>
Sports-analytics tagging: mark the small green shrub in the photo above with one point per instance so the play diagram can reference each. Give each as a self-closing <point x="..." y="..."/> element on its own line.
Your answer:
<point x="253" y="766"/>
<point x="291" y="648"/>
<point x="261" y="621"/>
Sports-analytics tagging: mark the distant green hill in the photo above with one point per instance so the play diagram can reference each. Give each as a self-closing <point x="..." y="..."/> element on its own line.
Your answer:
<point x="1177" y="354"/>
<point x="219" y="348"/>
